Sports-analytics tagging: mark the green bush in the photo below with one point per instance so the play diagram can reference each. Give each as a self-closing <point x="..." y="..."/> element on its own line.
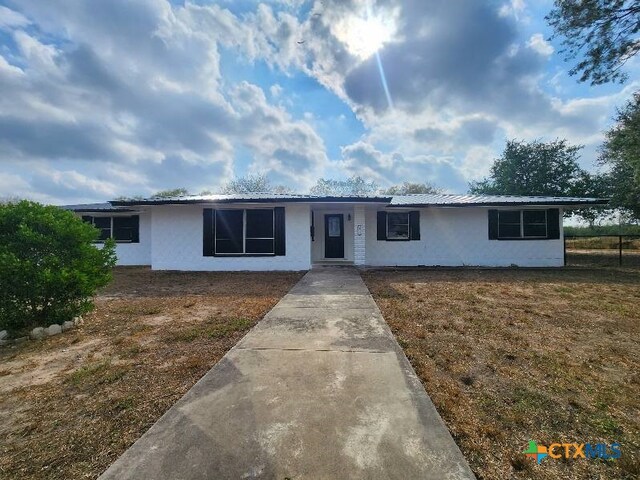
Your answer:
<point x="49" y="266"/>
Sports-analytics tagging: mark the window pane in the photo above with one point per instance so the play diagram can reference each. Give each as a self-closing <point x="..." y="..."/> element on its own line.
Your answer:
<point x="104" y="224"/>
<point x="534" y="216"/>
<point x="398" y="225"/>
<point x="334" y="226"/>
<point x="123" y="229"/>
<point x="229" y="231"/>
<point x="259" y="246"/>
<point x="535" y="230"/>
<point x="509" y="216"/>
<point x="509" y="231"/>
<point x="260" y="223"/>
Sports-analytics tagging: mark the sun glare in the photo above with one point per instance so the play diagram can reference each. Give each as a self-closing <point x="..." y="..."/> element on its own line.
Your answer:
<point x="365" y="35"/>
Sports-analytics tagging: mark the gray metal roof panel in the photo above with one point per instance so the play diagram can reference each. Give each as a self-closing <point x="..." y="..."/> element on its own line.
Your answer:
<point x="442" y="199"/>
<point x="94" y="207"/>
<point x="253" y="197"/>
<point x="414" y="200"/>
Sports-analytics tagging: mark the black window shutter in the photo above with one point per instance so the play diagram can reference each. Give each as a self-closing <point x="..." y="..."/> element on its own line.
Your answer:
<point x="414" y="225"/>
<point x="208" y="232"/>
<point x="135" y="229"/>
<point x="279" y="234"/>
<point x="553" y="223"/>
<point x="493" y="224"/>
<point x="382" y="225"/>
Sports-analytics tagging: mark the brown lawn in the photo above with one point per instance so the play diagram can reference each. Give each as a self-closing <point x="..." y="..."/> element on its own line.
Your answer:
<point x="510" y="356"/>
<point x="71" y="404"/>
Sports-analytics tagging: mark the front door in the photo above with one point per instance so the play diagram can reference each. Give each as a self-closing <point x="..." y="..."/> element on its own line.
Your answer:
<point x="334" y="236"/>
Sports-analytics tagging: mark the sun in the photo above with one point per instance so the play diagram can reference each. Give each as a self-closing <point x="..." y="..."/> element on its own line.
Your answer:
<point x="364" y="35"/>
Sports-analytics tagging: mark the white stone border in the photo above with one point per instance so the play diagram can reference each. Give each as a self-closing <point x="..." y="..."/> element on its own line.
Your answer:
<point x="39" y="333"/>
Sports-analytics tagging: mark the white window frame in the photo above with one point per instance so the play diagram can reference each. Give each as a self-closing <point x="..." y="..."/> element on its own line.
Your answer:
<point x="244" y="233"/>
<point x="522" y="235"/>
<point x="396" y="237"/>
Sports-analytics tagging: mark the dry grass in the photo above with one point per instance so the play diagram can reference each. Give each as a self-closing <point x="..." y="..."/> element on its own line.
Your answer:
<point x="71" y="404"/>
<point x="510" y="356"/>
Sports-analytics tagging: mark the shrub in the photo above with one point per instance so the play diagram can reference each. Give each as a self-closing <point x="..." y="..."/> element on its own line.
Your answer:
<point x="49" y="267"/>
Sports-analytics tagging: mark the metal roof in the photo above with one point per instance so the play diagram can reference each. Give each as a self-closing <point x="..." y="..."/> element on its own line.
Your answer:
<point x="253" y="198"/>
<point x="414" y="200"/>
<point x="452" y="200"/>
<point x="94" y="207"/>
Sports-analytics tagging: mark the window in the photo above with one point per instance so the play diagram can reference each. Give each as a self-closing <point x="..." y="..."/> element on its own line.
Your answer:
<point x="241" y="232"/>
<point x="333" y="226"/>
<point x="123" y="229"/>
<point x="522" y="224"/>
<point x="259" y="237"/>
<point x="398" y="226"/>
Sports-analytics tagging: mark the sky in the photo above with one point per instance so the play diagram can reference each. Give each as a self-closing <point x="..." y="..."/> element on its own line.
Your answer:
<point x="103" y="99"/>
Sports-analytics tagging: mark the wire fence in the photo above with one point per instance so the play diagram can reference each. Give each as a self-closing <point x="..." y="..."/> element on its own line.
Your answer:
<point x="620" y="250"/>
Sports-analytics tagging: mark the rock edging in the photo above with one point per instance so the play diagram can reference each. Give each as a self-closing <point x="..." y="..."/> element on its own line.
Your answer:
<point x="40" y="333"/>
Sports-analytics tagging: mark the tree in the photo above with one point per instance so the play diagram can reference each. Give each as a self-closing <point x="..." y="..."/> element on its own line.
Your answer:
<point x="354" y="185"/>
<point x="621" y="153"/>
<point x="604" y="33"/>
<point x="249" y="184"/>
<point x="175" y="192"/>
<point x="538" y="168"/>
<point x="409" y="188"/>
<point x="49" y="267"/>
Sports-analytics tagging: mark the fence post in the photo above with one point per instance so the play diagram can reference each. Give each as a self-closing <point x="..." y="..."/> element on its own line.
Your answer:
<point x="620" y="250"/>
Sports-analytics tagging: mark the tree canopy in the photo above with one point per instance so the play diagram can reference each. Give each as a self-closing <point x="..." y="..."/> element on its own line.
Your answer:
<point x="621" y="153"/>
<point x="175" y="192"/>
<point x="408" y="188"/>
<point x="538" y="168"/>
<point x="601" y="35"/>
<point x="248" y="184"/>
<point x="354" y="185"/>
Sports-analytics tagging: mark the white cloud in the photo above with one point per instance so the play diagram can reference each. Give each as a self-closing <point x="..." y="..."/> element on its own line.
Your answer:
<point x="135" y="92"/>
<point x="538" y="43"/>
<point x="11" y="18"/>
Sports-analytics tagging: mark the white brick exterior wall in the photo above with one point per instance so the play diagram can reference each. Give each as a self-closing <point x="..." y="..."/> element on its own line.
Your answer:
<point x="177" y="241"/>
<point x="457" y="237"/>
<point x="360" y="232"/>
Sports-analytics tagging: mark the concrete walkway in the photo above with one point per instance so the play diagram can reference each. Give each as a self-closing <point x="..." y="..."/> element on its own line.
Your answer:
<point x="318" y="389"/>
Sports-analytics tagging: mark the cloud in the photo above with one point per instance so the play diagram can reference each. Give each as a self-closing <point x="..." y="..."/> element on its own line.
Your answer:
<point x="120" y="97"/>
<point x="137" y="87"/>
<point x="538" y="43"/>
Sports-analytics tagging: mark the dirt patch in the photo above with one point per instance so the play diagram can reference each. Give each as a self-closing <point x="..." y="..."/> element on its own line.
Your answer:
<point x="509" y="356"/>
<point x="71" y="404"/>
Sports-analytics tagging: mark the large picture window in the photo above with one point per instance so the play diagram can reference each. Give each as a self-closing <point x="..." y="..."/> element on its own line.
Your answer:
<point x="522" y="224"/>
<point x="241" y="232"/>
<point x="123" y="229"/>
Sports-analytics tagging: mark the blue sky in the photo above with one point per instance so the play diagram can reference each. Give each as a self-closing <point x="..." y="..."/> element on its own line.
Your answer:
<point x="105" y="99"/>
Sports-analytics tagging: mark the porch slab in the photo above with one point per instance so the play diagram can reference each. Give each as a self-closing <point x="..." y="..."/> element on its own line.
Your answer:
<point x="311" y="392"/>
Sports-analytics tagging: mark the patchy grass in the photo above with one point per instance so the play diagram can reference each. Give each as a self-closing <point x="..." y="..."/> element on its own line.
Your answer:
<point x="509" y="356"/>
<point x="71" y="404"/>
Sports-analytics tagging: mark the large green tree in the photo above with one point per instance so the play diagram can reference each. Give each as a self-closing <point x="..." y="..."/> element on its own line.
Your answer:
<point x="409" y="188"/>
<point x="354" y="185"/>
<point x="539" y="168"/>
<point x="257" y="183"/>
<point x="600" y="35"/>
<point x="621" y="153"/>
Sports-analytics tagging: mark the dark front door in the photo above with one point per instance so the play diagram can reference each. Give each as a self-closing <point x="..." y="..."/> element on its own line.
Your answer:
<point x="334" y="236"/>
